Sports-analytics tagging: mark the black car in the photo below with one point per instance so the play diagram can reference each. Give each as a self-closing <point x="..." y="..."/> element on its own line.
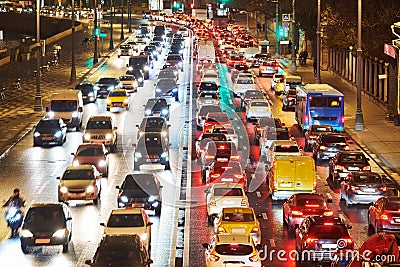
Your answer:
<point x="153" y="125"/>
<point x="159" y="30"/>
<point x="121" y="250"/>
<point x="261" y="123"/>
<point x="176" y="49"/>
<point x="249" y="95"/>
<point x="158" y="46"/>
<point x="259" y="58"/>
<point x="152" y="148"/>
<point x="208" y="87"/>
<point x="153" y="50"/>
<point x="289" y="99"/>
<point x="46" y="224"/>
<point x="160" y="39"/>
<point x="327" y="145"/>
<point x="50" y="131"/>
<point x="88" y="92"/>
<point x="167" y="87"/>
<point x="171" y="72"/>
<point x="141" y="190"/>
<point x="205" y="138"/>
<point x="138" y="73"/>
<point x="174" y="60"/>
<point x="141" y="62"/>
<point x="347" y="161"/>
<point x="105" y="85"/>
<point x="157" y="106"/>
<point x="313" y="132"/>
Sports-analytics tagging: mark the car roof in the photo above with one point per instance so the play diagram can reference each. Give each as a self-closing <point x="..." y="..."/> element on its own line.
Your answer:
<point x="100" y="118"/>
<point x="80" y="167"/>
<point x="242" y="210"/>
<point x="316" y="219"/>
<point x="226" y="185"/>
<point x="50" y="204"/>
<point x="233" y="239"/>
<point x="128" y="210"/>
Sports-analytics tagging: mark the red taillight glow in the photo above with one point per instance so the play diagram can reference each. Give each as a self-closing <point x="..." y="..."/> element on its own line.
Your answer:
<point x="339" y="167"/>
<point x="221" y="147"/>
<point x="342" y="119"/>
<point x="306" y="119"/>
<point x="239" y="176"/>
<point x="382" y="188"/>
<point x="215" y="175"/>
<point x="297" y="213"/>
<point x="254" y="258"/>
<point x="322" y="148"/>
<point x="312" y="205"/>
<point x="328" y="213"/>
<point x="367" y="168"/>
<point x="213" y="202"/>
<point x="384" y="217"/>
<point x="328" y="223"/>
<point x="354" y="188"/>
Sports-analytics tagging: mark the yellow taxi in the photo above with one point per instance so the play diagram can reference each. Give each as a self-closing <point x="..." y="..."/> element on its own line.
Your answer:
<point x="118" y="98"/>
<point x="280" y="87"/>
<point x="238" y="221"/>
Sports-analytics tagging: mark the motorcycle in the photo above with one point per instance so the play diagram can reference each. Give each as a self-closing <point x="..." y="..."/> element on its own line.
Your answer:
<point x="14" y="216"/>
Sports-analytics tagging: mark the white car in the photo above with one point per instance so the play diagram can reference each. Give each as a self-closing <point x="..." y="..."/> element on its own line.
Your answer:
<point x="129" y="83"/>
<point x="142" y="39"/>
<point x="129" y="221"/>
<point x="210" y="76"/>
<point x="258" y="108"/>
<point x="235" y="248"/>
<point x="276" y="79"/>
<point x="224" y="195"/>
<point x="125" y="50"/>
<point x="283" y="148"/>
<point x="242" y="84"/>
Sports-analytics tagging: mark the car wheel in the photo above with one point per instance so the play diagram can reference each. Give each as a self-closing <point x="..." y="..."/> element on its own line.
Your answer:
<point x="96" y="200"/>
<point x="158" y="210"/>
<point x="210" y="219"/>
<point x="108" y="109"/>
<point x="105" y="174"/>
<point x="314" y="156"/>
<point x="256" y="141"/>
<point x="330" y="176"/>
<point x="65" y="248"/>
<point x="24" y="248"/>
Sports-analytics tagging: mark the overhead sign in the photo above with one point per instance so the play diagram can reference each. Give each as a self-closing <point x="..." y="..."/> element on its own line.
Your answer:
<point x="284" y="42"/>
<point x="286" y="17"/>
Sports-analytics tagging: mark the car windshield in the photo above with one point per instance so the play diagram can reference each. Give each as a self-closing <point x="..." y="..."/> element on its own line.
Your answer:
<point x="152" y="140"/>
<point x="106" y="81"/>
<point x="222" y="130"/>
<point x="166" y="83"/>
<point x="208" y="95"/>
<point x="333" y="139"/>
<point x="329" y="231"/>
<point x="44" y="215"/>
<point x="48" y="124"/>
<point x="218" y="119"/>
<point x="174" y="58"/>
<point x="121" y="255"/>
<point x="208" y="86"/>
<point x="238" y="217"/>
<point x="291" y="92"/>
<point x="125" y="220"/>
<point x="353" y="158"/>
<point x="127" y="78"/>
<point x="117" y="93"/>
<point x="64" y="105"/>
<point x="278" y="135"/>
<point x="310" y="202"/>
<point x="210" y="75"/>
<point x="144" y="183"/>
<point x="98" y="125"/>
<point x="234" y="249"/>
<point x="155" y="123"/>
<point x="213" y="137"/>
<point x="260" y="104"/>
<point x="324" y="101"/>
<point x="78" y="175"/>
<point x="392" y="205"/>
<point x="236" y="192"/>
<point x="254" y="94"/>
<point x="207" y="109"/>
<point x="89" y="152"/>
<point x="286" y="148"/>
<point x="85" y="88"/>
<point x="367" y="178"/>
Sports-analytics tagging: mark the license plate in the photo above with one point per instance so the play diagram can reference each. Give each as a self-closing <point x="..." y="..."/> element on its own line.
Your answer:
<point x="329" y="245"/>
<point x="47" y="138"/>
<point x="369" y="190"/>
<point x="396" y="220"/>
<point x="228" y="202"/>
<point x="238" y="231"/>
<point x="354" y="168"/>
<point x="222" y="159"/>
<point x="117" y="104"/>
<point x="42" y="241"/>
<point x="286" y="185"/>
<point x="226" y="180"/>
<point x="151" y="160"/>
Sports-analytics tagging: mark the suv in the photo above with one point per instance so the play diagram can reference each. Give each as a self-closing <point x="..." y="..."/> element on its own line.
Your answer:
<point x="101" y="129"/>
<point x="141" y="190"/>
<point x="327" y="145"/>
<point x="88" y="92"/>
<point x="347" y="161"/>
<point x="125" y="50"/>
<point x="50" y="131"/>
<point x="80" y="183"/>
<point x="313" y="132"/>
<point x="152" y="148"/>
<point x="46" y="224"/>
<point x="140" y="62"/>
<point x="153" y="125"/>
<point x="105" y="85"/>
<point x="174" y="60"/>
<point x="122" y="250"/>
<point x="167" y="87"/>
<point x="157" y="107"/>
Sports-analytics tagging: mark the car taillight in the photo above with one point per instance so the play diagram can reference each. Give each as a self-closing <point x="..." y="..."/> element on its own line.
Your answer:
<point x="213" y="202"/>
<point x="354" y="188"/>
<point x="243" y="203"/>
<point x="322" y="148"/>
<point x="312" y="136"/>
<point x="342" y="119"/>
<point x="254" y="258"/>
<point x="221" y="230"/>
<point x="235" y="157"/>
<point x="207" y="124"/>
<point x="346" y="148"/>
<point x="315" y="185"/>
<point x="339" y="167"/>
<point x="239" y="176"/>
<point x="255" y="230"/>
<point x="367" y="168"/>
<point x="310" y="240"/>
<point x="382" y="188"/>
<point x="209" y="157"/>
<point x="384" y="217"/>
<point x="215" y="175"/>
<point x="213" y="257"/>
<point x="328" y="213"/>
<point x="306" y="119"/>
<point x="297" y="213"/>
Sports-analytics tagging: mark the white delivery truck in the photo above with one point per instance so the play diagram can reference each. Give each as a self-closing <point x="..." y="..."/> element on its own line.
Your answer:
<point x="68" y="106"/>
<point x="206" y="53"/>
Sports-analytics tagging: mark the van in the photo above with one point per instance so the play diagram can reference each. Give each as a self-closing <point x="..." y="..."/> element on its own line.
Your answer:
<point x="206" y="52"/>
<point x="291" y="174"/>
<point x="68" y="106"/>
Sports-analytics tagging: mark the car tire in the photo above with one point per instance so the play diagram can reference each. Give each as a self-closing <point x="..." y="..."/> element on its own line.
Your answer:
<point x="24" y="248"/>
<point x="108" y="109"/>
<point x="96" y="200"/>
<point x="105" y="174"/>
<point x="210" y="220"/>
<point x="203" y="176"/>
<point x="65" y="248"/>
<point x="113" y="148"/>
<point x="157" y="211"/>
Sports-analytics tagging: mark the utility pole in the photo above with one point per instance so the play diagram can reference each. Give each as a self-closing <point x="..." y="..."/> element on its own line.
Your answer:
<point x="293" y="35"/>
<point x="96" y="55"/>
<point x="359" y="124"/>
<point x="122" y="21"/>
<point x="72" y="78"/>
<point x="130" y="16"/>
<point x="38" y="96"/>
<point x="277" y="28"/>
<point x="318" y="42"/>
<point x="111" y="25"/>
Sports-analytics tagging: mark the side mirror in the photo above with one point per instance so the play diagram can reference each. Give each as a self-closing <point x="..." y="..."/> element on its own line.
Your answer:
<point x="115" y="128"/>
<point x="329" y="200"/>
<point x="207" y="191"/>
<point x="137" y="125"/>
<point x="149" y="261"/>
<point x="47" y="109"/>
<point x="134" y="145"/>
<point x="72" y="153"/>
<point x="58" y="177"/>
<point x="349" y="226"/>
<point x="80" y="109"/>
<point x="149" y="224"/>
<point x="89" y="262"/>
<point x="205" y="245"/>
<point x="102" y="224"/>
<point x="127" y="65"/>
<point x="117" y="187"/>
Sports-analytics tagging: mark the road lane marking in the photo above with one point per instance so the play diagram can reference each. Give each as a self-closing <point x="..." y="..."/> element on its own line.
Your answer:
<point x="258" y="194"/>
<point x="264" y="215"/>
<point x="82" y="257"/>
<point x="272" y="242"/>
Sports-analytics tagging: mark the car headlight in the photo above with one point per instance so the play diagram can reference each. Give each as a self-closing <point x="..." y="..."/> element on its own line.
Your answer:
<point x="151" y="198"/>
<point x="63" y="189"/>
<point x="146" y="68"/>
<point x="108" y="102"/>
<point x="26" y="233"/>
<point x="175" y="90"/>
<point x="50" y="114"/>
<point x="58" y="134"/>
<point x="164" y="155"/>
<point x="155" y="204"/>
<point x="109" y="136"/>
<point x="130" y="68"/>
<point x="164" y="36"/>
<point x="60" y="233"/>
<point x="143" y="236"/>
<point x="90" y="94"/>
<point x="111" y="87"/>
<point x="148" y="112"/>
<point x="86" y="136"/>
<point x="75" y="163"/>
<point x="119" y="51"/>
<point x="126" y="101"/>
<point x="90" y="189"/>
<point x="138" y="155"/>
<point x="36" y="134"/>
<point x="158" y="90"/>
<point x="164" y="111"/>
<point x="140" y="80"/>
<point x="124" y="199"/>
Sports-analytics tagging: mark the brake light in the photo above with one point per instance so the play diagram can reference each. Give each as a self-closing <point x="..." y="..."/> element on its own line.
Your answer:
<point x="384" y="217"/>
<point x="354" y="188"/>
<point x="312" y="136"/>
<point x="339" y="167"/>
<point x="346" y="148"/>
<point x="367" y="168"/>
<point x="311" y="240"/>
<point x="255" y="230"/>
<point x="221" y="230"/>
<point x="221" y="146"/>
<point x="207" y="124"/>
<point x="213" y="202"/>
<point x="322" y="148"/>
<point x="382" y="188"/>
<point x="328" y="213"/>
<point x="297" y="213"/>
<point x="243" y="203"/>
<point x="235" y="157"/>
<point x="215" y="175"/>
<point x="213" y="257"/>
<point x="239" y="176"/>
<point x="342" y="119"/>
<point x="254" y="258"/>
<point x="312" y="205"/>
<point x="306" y="119"/>
<point x="329" y="223"/>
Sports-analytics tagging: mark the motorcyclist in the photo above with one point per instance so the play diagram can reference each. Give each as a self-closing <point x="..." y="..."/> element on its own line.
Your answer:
<point x="15" y="199"/>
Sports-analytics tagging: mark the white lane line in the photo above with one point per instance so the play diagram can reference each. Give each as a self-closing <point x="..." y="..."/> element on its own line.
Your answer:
<point x="272" y="242"/>
<point x="264" y="215"/>
<point x="258" y="193"/>
<point x="82" y="257"/>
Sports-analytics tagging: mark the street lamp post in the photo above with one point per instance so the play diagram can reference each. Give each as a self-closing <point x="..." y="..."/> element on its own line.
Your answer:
<point x="130" y="16"/>
<point x="122" y="21"/>
<point x="111" y="26"/>
<point x="359" y="124"/>
<point x="38" y="96"/>
<point x="293" y="33"/>
<point x="319" y="41"/>
<point x="277" y="28"/>
<point x="96" y="55"/>
<point x="73" y="69"/>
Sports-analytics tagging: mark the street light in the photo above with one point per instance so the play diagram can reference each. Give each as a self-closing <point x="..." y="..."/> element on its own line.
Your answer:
<point x="111" y="25"/>
<point x="73" y="69"/>
<point x="122" y="21"/>
<point x="38" y="96"/>
<point x="130" y="16"/>
<point x="293" y="33"/>
<point x="359" y="124"/>
<point x="319" y="42"/>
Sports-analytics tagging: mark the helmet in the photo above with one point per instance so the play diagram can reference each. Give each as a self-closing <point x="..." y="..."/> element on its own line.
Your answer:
<point x="16" y="190"/>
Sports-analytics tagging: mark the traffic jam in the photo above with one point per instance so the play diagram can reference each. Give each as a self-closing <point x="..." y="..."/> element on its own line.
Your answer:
<point x="274" y="179"/>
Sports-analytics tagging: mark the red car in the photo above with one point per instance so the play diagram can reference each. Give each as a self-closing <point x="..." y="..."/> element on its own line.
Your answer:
<point x="228" y="171"/>
<point x="215" y="119"/>
<point x="301" y="205"/>
<point x="223" y="151"/>
<point x="235" y="59"/>
<point x="92" y="154"/>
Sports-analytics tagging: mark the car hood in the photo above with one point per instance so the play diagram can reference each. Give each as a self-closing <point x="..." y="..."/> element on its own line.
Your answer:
<point x="98" y="131"/>
<point x="76" y="183"/>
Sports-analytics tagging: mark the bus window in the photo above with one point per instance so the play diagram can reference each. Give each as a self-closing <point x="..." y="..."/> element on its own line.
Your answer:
<point x="325" y="102"/>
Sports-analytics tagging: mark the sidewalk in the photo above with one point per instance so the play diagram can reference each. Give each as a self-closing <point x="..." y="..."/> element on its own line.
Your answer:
<point x="17" y="116"/>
